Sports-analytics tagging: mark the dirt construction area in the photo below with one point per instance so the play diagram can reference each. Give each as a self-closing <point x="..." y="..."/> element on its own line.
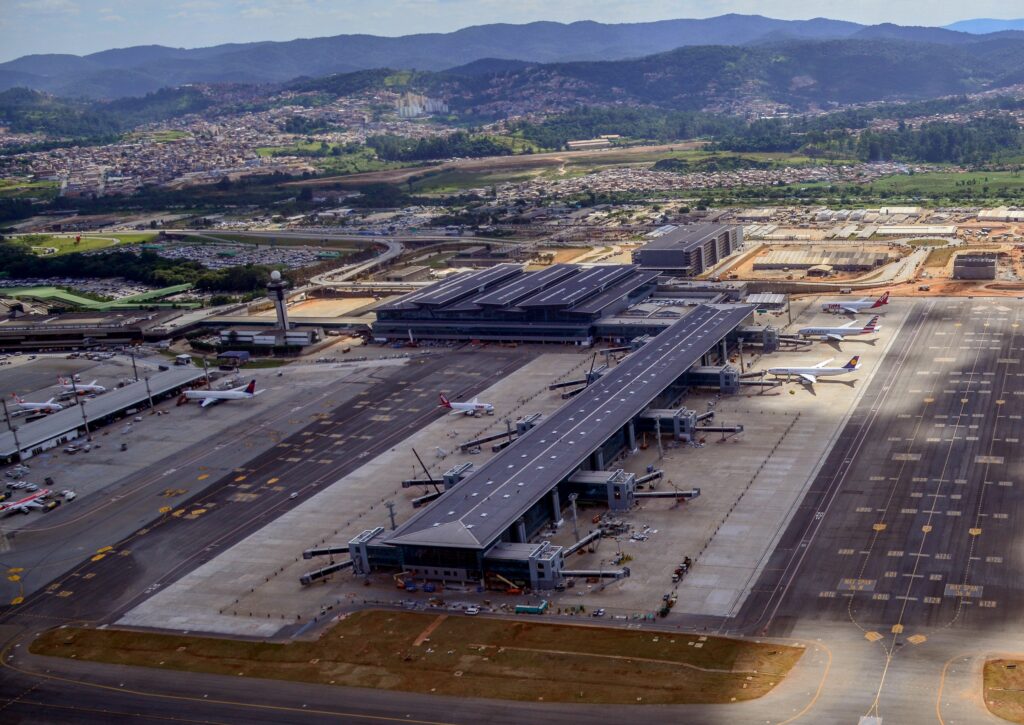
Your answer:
<point x="467" y="657"/>
<point x="324" y="307"/>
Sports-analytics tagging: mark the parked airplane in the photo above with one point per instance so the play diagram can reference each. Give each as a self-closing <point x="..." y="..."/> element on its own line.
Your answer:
<point x="212" y="397"/>
<point x="25" y="407"/>
<point x="838" y="333"/>
<point x="811" y="374"/>
<point x="854" y="306"/>
<point x="83" y="388"/>
<point x="473" y="407"/>
<point x="36" y="500"/>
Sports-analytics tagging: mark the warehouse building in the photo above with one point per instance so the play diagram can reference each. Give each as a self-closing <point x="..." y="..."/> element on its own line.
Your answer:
<point x="839" y="260"/>
<point x="976" y="265"/>
<point x="689" y="250"/>
<point x="559" y="304"/>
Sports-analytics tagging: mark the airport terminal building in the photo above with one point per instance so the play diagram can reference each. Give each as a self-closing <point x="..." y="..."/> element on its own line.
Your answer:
<point x="562" y="303"/>
<point x="488" y="523"/>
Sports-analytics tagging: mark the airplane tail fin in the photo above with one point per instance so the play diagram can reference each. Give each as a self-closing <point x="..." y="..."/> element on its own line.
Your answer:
<point x="251" y="387"/>
<point x="445" y="403"/>
<point x="872" y="324"/>
<point x="883" y="300"/>
<point x="853" y="364"/>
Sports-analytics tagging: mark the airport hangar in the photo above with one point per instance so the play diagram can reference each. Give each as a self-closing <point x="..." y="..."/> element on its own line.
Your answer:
<point x="481" y="526"/>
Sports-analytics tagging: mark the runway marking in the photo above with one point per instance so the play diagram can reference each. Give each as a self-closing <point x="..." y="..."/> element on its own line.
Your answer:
<point x="878" y="527"/>
<point x="897" y="629"/>
<point x="993" y="560"/>
<point x="872" y="636"/>
<point x="964" y="590"/>
<point x="857" y="585"/>
<point x="202" y="476"/>
<point x="906" y="456"/>
<point x="992" y="460"/>
<point x="987" y="603"/>
<point x="65" y="594"/>
<point x="826" y="595"/>
<point x="917" y="639"/>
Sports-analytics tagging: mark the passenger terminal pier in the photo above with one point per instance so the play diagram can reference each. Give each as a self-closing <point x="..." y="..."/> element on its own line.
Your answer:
<point x="481" y="526"/>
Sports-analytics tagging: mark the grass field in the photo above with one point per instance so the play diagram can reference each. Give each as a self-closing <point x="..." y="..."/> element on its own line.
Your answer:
<point x="1004" y="689"/>
<point x="940" y="256"/>
<point x="23" y="188"/>
<point x="467" y="657"/>
<point x="928" y="242"/>
<point x="998" y="183"/>
<point x="65" y="243"/>
<point x="344" y="163"/>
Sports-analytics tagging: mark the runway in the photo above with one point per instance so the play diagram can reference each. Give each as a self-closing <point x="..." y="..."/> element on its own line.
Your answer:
<point x="907" y="538"/>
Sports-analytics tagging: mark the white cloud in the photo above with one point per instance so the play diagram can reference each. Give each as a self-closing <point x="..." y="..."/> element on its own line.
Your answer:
<point x="49" y="7"/>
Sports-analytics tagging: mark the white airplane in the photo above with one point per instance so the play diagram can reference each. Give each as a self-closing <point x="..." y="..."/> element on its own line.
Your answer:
<point x="810" y="375"/>
<point x="852" y="307"/>
<point x="83" y="388"/>
<point x="838" y="333"/>
<point x="212" y="397"/>
<point x="473" y="407"/>
<point x="25" y="407"/>
<point x="36" y="500"/>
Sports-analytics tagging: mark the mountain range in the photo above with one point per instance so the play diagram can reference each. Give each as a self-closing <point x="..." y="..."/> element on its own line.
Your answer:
<point x="139" y="70"/>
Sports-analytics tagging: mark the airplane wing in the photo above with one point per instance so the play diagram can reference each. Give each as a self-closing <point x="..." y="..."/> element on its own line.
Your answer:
<point x="809" y="378"/>
<point x="851" y="323"/>
<point x="849" y="310"/>
<point x="823" y="363"/>
<point x="837" y="338"/>
<point x="208" y="402"/>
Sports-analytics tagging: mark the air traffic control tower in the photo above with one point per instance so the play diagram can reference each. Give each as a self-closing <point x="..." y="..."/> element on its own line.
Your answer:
<point x="277" y="286"/>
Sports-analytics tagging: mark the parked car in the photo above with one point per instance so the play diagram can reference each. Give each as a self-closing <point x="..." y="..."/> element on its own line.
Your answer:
<point x="473" y="610"/>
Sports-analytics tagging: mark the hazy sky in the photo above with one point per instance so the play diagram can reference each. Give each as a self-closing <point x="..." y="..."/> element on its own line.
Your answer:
<point x="85" y="26"/>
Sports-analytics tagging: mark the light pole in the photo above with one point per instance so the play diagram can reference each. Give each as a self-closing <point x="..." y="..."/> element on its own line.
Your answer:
<point x="81" y="407"/>
<point x="14" y="431"/>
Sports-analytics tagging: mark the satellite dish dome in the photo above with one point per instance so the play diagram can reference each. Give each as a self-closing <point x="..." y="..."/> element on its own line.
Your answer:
<point x="275" y="276"/>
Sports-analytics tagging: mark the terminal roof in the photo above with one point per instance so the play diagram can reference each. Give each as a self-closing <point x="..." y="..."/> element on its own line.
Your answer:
<point x="68" y="420"/>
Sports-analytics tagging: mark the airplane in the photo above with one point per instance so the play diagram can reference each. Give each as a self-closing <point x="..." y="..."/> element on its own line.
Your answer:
<point x="838" y="333"/>
<point x="23" y="506"/>
<point x="473" y="407"/>
<point x="810" y="375"/>
<point x="25" y="407"/>
<point x="83" y="388"/>
<point x="854" y="306"/>
<point x="212" y="397"/>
